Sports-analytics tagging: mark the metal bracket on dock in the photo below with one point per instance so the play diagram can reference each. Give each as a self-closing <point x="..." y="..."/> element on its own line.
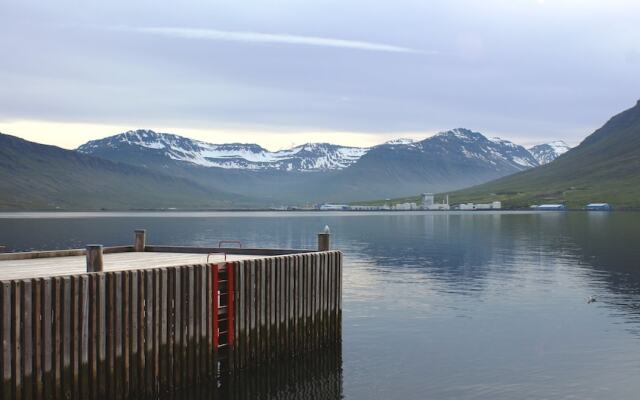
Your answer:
<point x="220" y="243"/>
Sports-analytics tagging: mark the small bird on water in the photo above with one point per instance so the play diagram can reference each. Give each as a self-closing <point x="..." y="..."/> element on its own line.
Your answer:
<point x="591" y="299"/>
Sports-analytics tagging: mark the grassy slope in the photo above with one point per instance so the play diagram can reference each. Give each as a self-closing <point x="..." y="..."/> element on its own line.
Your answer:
<point x="605" y="167"/>
<point x="35" y="176"/>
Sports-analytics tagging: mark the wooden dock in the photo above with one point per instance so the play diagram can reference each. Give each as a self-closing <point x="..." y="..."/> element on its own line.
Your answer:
<point x="154" y="319"/>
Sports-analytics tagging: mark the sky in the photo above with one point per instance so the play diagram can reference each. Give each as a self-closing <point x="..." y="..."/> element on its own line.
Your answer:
<point x="285" y="72"/>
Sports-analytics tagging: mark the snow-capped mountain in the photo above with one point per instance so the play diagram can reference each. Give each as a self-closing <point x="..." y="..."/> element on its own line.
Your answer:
<point x="547" y="152"/>
<point x="307" y="157"/>
<point x="321" y="171"/>
<point x="496" y="152"/>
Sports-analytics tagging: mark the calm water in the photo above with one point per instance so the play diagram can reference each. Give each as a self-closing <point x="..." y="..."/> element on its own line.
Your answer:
<point x="437" y="305"/>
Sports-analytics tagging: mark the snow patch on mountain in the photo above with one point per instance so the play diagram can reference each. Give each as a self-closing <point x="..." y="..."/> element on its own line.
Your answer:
<point x="307" y="157"/>
<point x="547" y="152"/>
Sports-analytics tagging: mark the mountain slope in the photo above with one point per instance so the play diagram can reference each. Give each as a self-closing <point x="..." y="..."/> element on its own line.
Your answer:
<point x="446" y="161"/>
<point x="605" y="167"/>
<point x="322" y="172"/>
<point x="547" y="152"/>
<point x="164" y="147"/>
<point x="36" y="176"/>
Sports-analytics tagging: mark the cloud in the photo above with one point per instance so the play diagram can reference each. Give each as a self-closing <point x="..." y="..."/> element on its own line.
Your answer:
<point x="258" y="37"/>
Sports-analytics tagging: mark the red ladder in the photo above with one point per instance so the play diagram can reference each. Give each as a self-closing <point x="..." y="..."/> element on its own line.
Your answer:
<point x="222" y="304"/>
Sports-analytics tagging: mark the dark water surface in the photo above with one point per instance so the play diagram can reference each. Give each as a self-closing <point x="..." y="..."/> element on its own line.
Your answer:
<point x="436" y="305"/>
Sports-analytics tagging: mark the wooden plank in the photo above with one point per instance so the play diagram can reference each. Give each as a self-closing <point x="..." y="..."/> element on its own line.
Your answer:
<point x="165" y="376"/>
<point x="252" y="311"/>
<point x="289" y="264"/>
<point x="110" y="327"/>
<point x="134" y="334"/>
<point x="190" y="319"/>
<point x="37" y="339"/>
<point x="196" y="323"/>
<point x="332" y="297"/>
<point x="101" y="318"/>
<point x="283" y="268"/>
<point x="262" y="310"/>
<point x="148" y="333"/>
<point x="241" y="332"/>
<point x="27" y="339"/>
<point x="266" y="288"/>
<point x="67" y="348"/>
<point x="339" y="295"/>
<point x="57" y="323"/>
<point x="16" y="316"/>
<point x="75" y="336"/>
<point x="84" y="337"/>
<point x="271" y="302"/>
<point x="5" y="332"/>
<point x="126" y="334"/>
<point x="156" y="330"/>
<point x="177" y="350"/>
<point x="93" y="335"/>
<point x="320" y="308"/>
<point x="171" y="272"/>
<point x="296" y="302"/>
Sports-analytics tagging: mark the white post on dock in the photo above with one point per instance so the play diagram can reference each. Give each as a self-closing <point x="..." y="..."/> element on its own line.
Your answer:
<point x="140" y="239"/>
<point x="324" y="239"/>
<point x="94" y="258"/>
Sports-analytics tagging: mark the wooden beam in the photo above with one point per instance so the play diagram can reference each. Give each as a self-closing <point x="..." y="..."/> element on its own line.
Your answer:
<point x="140" y="240"/>
<point x="95" y="262"/>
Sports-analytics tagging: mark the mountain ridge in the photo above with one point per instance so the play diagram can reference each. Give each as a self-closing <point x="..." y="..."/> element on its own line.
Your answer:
<point x="604" y="167"/>
<point x="35" y="176"/>
<point x="319" y="172"/>
<point x="305" y="157"/>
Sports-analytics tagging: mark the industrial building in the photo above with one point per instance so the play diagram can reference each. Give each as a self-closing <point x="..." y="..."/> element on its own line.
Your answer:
<point x="598" y="207"/>
<point x="551" y="207"/>
<point x="334" y="207"/>
<point x="405" y="207"/>
<point x="496" y="205"/>
<point x="427" y="200"/>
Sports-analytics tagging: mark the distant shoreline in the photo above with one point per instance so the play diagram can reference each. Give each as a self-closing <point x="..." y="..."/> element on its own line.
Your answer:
<point x="256" y="210"/>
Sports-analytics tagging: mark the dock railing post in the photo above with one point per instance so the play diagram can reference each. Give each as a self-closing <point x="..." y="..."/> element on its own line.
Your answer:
<point x="140" y="239"/>
<point x="94" y="258"/>
<point x="324" y="239"/>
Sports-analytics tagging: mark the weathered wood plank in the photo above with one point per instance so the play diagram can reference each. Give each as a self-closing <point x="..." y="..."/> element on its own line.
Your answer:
<point x="156" y="330"/>
<point x="148" y="333"/>
<point x="37" y="338"/>
<point x="101" y="317"/>
<point x="93" y="335"/>
<point x="5" y="333"/>
<point x="83" y="316"/>
<point x="177" y="327"/>
<point x="165" y="376"/>
<point x="126" y="334"/>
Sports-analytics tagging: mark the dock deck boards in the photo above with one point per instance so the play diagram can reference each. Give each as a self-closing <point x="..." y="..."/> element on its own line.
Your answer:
<point x="56" y="266"/>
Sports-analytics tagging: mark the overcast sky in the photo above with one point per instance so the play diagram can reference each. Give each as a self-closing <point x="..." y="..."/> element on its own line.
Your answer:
<point x="345" y="71"/>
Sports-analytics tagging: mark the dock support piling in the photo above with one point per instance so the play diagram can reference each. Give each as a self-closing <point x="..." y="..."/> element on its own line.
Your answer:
<point x="94" y="258"/>
<point x="324" y="239"/>
<point x="140" y="239"/>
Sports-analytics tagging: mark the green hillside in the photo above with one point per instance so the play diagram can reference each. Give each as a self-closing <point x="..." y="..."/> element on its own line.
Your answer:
<point x="40" y="177"/>
<point x="605" y="167"/>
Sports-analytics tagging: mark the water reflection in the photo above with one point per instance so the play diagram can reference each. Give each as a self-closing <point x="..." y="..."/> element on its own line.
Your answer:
<point x="317" y="375"/>
<point x="436" y="305"/>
